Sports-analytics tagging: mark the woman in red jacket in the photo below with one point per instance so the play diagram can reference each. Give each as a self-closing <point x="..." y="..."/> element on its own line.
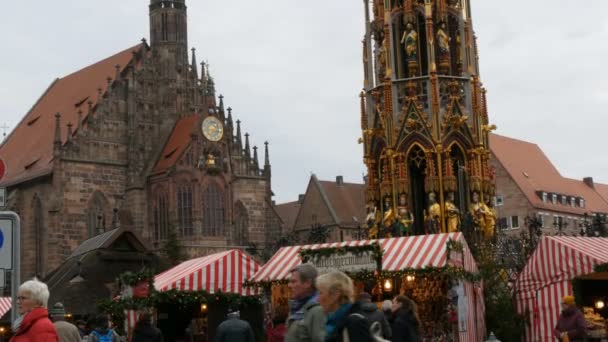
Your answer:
<point x="33" y="324"/>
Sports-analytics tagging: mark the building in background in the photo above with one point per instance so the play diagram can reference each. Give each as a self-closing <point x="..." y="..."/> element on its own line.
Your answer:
<point x="328" y="211"/>
<point x="138" y="140"/>
<point x="528" y="185"/>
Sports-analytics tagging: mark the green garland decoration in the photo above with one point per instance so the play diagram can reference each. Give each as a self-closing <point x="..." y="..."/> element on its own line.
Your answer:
<point x="134" y="278"/>
<point x="453" y="245"/>
<point x="601" y="268"/>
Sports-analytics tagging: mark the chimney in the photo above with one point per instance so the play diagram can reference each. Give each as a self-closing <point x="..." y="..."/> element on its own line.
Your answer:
<point x="300" y="198"/>
<point x="340" y="180"/>
<point x="589" y="182"/>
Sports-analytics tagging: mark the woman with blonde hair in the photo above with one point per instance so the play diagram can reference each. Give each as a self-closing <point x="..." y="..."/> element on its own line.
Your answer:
<point x="345" y="321"/>
<point x="33" y="324"/>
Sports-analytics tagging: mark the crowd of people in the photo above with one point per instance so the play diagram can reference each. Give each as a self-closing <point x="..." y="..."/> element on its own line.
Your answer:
<point x="323" y="308"/>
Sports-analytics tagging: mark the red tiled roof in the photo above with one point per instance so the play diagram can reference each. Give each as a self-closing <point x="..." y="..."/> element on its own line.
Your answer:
<point x="288" y="212"/>
<point x="602" y="189"/>
<point x="347" y="201"/>
<point x="28" y="150"/>
<point x="532" y="171"/>
<point x="178" y="142"/>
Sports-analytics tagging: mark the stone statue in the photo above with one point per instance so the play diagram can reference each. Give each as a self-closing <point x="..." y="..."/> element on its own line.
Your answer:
<point x="431" y="219"/>
<point x="452" y="214"/>
<point x="410" y="41"/>
<point x="478" y="212"/>
<point x="382" y="60"/>
<point x="443" y="41"/>
<point x="389" y="218"/>
<point x="406" y="219"/>
<point x="490" y="219"/>
<point x="372" y="220"/>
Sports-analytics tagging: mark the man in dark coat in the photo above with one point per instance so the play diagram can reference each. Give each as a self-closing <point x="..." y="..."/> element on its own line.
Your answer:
<point x="371" y="312"/>
<point x="234" y="329"/>
<point x="144" y="330"/>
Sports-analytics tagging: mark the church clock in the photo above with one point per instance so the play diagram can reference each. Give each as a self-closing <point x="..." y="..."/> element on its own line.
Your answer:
<point x="212" y="128"/>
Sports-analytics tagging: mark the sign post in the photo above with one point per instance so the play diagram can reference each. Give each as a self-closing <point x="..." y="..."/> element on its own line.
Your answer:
<point x="2" y="190"/>
<point x="10" y="252"/>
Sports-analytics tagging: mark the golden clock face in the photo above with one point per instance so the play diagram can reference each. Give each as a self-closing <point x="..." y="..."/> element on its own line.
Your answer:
<point x="212" y="128"/>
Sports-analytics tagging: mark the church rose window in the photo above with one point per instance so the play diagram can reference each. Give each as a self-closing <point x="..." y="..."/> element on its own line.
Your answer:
<point x="184" y="209"/>
<point x="161" y="217"/>
<point x="213" y="210"/>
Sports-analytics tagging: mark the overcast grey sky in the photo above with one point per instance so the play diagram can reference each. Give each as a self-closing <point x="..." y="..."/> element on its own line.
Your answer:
<point x="291" y="70"/>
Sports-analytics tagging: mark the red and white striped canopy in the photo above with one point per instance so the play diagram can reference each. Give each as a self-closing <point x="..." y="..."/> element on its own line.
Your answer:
<point x="546" y="279"/>
<point x="225" y="272"/>
<point x="413" y="252"/>
<point x="5" y="305"/>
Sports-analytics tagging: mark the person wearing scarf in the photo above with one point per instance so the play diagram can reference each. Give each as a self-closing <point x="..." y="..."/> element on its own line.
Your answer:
<point x="345" y="319"/>
<point x="306" y="318"/>
<point x="33" y="323"/>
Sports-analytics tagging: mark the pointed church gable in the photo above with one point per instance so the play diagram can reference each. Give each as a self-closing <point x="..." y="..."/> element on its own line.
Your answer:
<point x="178" y="143"/>
<point x="32" y="139"/>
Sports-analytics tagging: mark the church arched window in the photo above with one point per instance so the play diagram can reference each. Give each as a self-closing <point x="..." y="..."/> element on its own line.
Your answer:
<point x="96" y="218"/>
<point x="161" y="216"/>
<point x="241" y="225"/>
<point x="39" y="235"/>
<point x="184" y="209"/>
<point x="213" y="210"/>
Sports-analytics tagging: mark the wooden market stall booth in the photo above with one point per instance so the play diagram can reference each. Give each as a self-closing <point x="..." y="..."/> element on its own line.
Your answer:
<point x="564" y="266"/>
<point x="437" y="271"/>
<point x="192" y="298"/>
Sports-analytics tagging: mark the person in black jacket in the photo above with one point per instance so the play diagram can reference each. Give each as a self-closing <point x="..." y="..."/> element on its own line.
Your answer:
<point x="345" y="319"/>
<point x="373" y="314"/>
<point x="144" y="330"/>
<point x="234" y="329"/>
<point x="404" y="321"/>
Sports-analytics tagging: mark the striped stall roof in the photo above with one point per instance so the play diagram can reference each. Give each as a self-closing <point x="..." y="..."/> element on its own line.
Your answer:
<point x="5" y="305"/>
<point x="225" y="272"/>
<point x="412" y="252"/>
<point x="547" y="276"/>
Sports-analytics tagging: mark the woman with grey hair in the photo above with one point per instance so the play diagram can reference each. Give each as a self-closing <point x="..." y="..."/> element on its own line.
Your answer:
<point x="33" y="324"/>
<point x="345" y="319"/>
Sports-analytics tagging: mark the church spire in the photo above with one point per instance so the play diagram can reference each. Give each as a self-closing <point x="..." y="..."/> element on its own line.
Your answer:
<point x="238" y="133"/>
<point x="247" y="149"/>
<point x="169" y="31"/>
<point x="194" y="65"/>
<point x="229" y="117"/>
<point x="221" y="104"/>
<point x="266" y="161"/>
<point x="255" y="157"/>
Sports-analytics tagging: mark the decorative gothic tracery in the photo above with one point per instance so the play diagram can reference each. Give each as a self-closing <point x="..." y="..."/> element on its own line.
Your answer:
<point x="424" y="53"/>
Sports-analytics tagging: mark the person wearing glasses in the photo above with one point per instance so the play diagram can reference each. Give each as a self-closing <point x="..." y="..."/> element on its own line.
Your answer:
<point x="33" y="323"/>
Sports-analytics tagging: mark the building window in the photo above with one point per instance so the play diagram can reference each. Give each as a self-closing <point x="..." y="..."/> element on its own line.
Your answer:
<point x="544" y="197"/>
<point x="161" y="217"/>
<point x="241" y="225"/>
<point x="554" y="198"/>
<point x="541" y="218"/>
<point x="499" y="200"/>
<point x="96" y="219"/>
<point x="564" y="200"/>
<point x="582" y="203"/>
<point x="514" y="222"/>
<point x="503" y="223"/>
<point x="572" y="201"/>
<point x="213" y="210"/>
<point x="39" y="236"/>
<point x="184" y="210"/>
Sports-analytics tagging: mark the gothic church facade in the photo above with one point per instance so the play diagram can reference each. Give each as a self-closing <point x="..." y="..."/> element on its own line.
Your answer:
<point x="140" y="141"/>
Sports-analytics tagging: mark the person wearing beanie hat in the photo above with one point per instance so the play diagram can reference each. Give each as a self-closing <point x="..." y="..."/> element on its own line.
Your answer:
<point x="571" y="325"/>
<point x="66" y="331"/>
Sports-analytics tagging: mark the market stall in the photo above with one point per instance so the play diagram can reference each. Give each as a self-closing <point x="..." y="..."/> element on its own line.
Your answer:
<point x="563" y="266"/>
<point x="437" y="271"/>
<point x="191" y="299"/>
